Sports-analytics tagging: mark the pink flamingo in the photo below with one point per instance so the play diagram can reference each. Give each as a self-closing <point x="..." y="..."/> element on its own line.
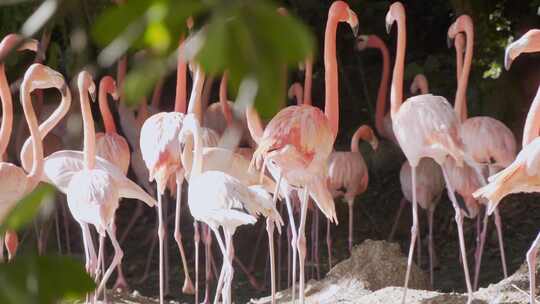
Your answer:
<point x="228" y="204"/>
<point x="424" y="126"/>
<point x="383" y="123"/>
<point x="112" y="146"/>
<point x="486" y="139"/>
<point x="160" y="149"/>
<point x="429" y="185"/>
<point x="12" y="192"/>
<point x="299" y="139"/>
<point x="522" y="174"/>
<point x="92" y="193"/>
<point x="348" y="175"/>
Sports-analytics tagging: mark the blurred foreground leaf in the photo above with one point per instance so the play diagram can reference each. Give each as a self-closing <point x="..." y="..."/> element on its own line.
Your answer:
<point x="43" y="279"/>
<point x="27" y="208"/>
<point x="245" y="38"/>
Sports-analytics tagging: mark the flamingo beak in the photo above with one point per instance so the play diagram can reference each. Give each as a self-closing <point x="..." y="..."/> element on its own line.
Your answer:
<point x="356" y="29"/>
<point x="449" y="42"/>
<point x="508" y="58"/>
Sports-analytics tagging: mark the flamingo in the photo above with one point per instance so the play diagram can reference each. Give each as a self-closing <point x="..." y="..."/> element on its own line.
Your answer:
<point x="522" y="175"/>
<point x="348" y="175"/>
<point x="160" y="149"/>
<point x="486" y="139"/>
<point x="383" y="123"/>
<point x="424" y="126"/>
<point x="112" y="146"/>
<point x="6" y="45"/>
<point x="299" y="139"/>
<point x="93" y="193"/>
<point x="429" y="185"/>
<point x="228" y="204"/>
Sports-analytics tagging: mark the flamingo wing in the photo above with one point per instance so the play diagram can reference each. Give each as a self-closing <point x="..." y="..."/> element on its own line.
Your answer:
<point x="60" y="167"/>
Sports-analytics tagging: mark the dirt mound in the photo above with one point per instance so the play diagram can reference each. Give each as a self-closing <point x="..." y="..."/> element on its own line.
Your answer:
<point x="373" y="265"/>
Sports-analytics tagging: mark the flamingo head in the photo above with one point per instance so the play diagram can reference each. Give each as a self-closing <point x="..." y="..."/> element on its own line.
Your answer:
<point x="419" y="83"/>
<point x="462" y="24"/>
<point x="14" y="40"/>
<point x="395" y="12"/>
<point x="40" y="76"/>
<point x="343" y="13"/>
<point x="86" y="83"/>
<point x="108" y="85"/>
<point x="528" y="43"/>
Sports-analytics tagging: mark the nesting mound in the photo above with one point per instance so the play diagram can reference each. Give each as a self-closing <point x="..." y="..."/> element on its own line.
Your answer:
<point x="373" y="265"/>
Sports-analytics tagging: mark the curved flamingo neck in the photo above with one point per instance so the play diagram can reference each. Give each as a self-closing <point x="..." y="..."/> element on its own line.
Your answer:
<point x="532" y="123"/>
<point x="458" y="45"/>
<point x="88" y="131"/>
<point x="36" y="172"/>
<point x="106" y="86"/>
<point x="193" y="126"/>
<point x="364" y="133"/>
<point x="223" y="100"/>
<point x="380" y="110"/>
<point x="181" y="74"/>
<point x="396" y="91"/>
<point x="331" y="107"/>
<point x="7" y="111"/>
<point x="308" y="80"/>
<point x="460" y="104"/>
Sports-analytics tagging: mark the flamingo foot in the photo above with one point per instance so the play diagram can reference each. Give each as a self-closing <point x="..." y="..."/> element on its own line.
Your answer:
<point x="188" y="287"/>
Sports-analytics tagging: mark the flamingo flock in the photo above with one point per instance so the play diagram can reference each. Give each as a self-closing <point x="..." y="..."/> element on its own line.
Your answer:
<point x="290" y="158"/>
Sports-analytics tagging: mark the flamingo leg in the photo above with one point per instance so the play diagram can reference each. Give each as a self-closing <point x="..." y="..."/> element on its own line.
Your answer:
<point x="459" y="222"/>
<point x="66" y="228"/>
<point x="121" y="282"/>
<point x="207" y="240"/>
<point x="329" y="243"/>
<point x="280" y="253"/>
<point x="479" y="251"/>
<point x="316" y="253"/>
<point x="270" y="230"/>
<point x="57" y="229"/>
<point x="414" y="232"/>
<point x="302" y="243"/>
<point x="531" y="261"/>
<point x="498" y="226"/>
<point x="431" y="249"/>
<point x="118" y="254"/>
<point x="196" y="240"/>
<point x="100" y="261"/>
<point x="289" y="256"/>
<point x="402" y="204"/>
<point x="230" y="257"/>
<point x="223" y="267"/>
<point x="294" y="241"/>
<point x="161" y="234"/>
<point x="419" y="246"/>
<point x="188" y="284"/>
<point x="351" y="223"/>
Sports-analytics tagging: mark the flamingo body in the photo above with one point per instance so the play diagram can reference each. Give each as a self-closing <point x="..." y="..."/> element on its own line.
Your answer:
<point x="348" y="170"/>
<point x="429" y="182"/>
<point x="114" y="148"/>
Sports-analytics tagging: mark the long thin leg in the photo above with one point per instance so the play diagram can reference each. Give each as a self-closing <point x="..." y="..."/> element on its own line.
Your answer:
<point x="100" y="261"/>
<point x="316" y="253"/>
<point x="188" y="284"/>
<point x="531" y="261"/>
<point x="161" y="234"/>
<point x="313" y="244"/>
<point x="207" y="240"/>
<point x="351" y="223"/>
<point x="459" y="222"/>
<point x="57" y="228"/>
<point x="289" y="256"/>
<point x="329" y="242"/>
<point x="498" y="226"/>
<point x="431" y="249"/>
<point x="118" y="254"/>
<point x="419" y="246"/>
<point x="294" y="244"/>
<point x="302" y="243"/>
<point x="196" y="240"/>
<point x="121" y="283"/>
<point x="270" y="230"/>
<point x="223" y="267"/>
<point x="414" y="232"/>
<point x="402" y="204"/>
<point x="65" y="216"/>
<point x="280" y="255"/>
<point x="479" y="251"/>
<point x="91" y="251"/>
<point x="230" y="257"/>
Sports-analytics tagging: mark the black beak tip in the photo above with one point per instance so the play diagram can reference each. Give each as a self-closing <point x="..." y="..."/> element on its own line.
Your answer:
<point x="449" y="42"/>
<point x="356" y="29"/>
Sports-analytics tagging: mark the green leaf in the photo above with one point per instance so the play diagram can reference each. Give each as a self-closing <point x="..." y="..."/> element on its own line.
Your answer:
<point x="43" y="279"/>
<point x="27" y="208"/>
